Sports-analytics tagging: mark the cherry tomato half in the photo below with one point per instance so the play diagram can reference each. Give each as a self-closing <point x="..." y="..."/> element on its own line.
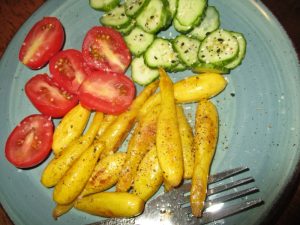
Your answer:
<point x="44" y="40"/>
<point x="30" y="142"/>
<point x="107" y="92"/>
<point x="105" y="49"/>
<point x="68" y="69"/>
<point x="48" y="97"/>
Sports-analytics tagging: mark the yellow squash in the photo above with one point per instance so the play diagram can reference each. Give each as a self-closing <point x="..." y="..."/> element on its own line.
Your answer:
<point x="59" y="210"/>
<point x="111" y="204"/>
<point x="115" y="134"/>
<point x="191" y="89"/>
<point x="106" y="174"/>
<point x="149" y="176"/>
<point x="142" y="140"/>
<point x="168" y="142"/>
<point x="72" y="183"/>
<point x="107" y="121"/>
<point x="58" y="166"/>
<point x="205" y="141"/>
<point x="186" y="134"/>
<point x="70" y="128"/>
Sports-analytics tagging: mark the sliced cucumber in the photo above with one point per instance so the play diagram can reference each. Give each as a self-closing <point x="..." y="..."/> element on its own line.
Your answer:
<point x="242" y="51"/>
<point x="181" y="28"/>
<point x="104" y="5"/>
<point x="161" y="54"/>
<point x="153" y="17"/>
<point x="141" y="73"/>
<point x="210" y="68"/>
<point x="219" y="47"/>
<point x="189" y="11"/>
<point x="134" y="7"/>
<point x="116" y="18"/>
<point x="210" y="22"/>
<point x="187" y="49"/>
<point x="126" y="30"/>
<point x="138" y="41"/>
<point x="173" y="6"/>
<point x="179" y="67"/>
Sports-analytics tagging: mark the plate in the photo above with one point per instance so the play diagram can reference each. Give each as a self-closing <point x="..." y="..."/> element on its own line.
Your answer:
<point x="259" y="110"/>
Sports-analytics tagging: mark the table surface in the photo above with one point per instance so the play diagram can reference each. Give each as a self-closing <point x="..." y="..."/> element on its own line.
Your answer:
<point x="13" y="13"/>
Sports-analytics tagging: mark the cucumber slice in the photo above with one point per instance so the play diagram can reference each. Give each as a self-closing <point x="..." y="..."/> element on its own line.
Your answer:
<point x="153" y="17"/>
<point x="187" y="49"/>
<point x="126" y="30"/>
<point x="242" y="51"/>
<point x="179" y="67"/>
<point x="173" y="6"/>
<point x="181" y="28"/>
<point x="134" y="7"/>
<point x="138" y="41"/>
<point x="141" y="73"/>
<point x="116" y="18"/>
<point x="219" y="47"/>
<point x="161" y="54"/>
<point x="210" y="23"/>
<point x="188" y="11"/>
<point x="104" y="5"/>
<point x="210" y="68"/>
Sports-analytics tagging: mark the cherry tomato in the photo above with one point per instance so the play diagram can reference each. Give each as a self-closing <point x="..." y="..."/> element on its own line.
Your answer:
<point x="68" y="69"/>
<point x="105" y="49"/>
<point x="107" y="92"/>
<point x="48" y="97"/>
<point x="30" y="142"/>
<point x="44" y="40"/>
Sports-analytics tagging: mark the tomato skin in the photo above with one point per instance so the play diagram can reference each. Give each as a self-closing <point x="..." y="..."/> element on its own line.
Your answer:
<point x="48" y="97"/>
<point x="107" y="92"/>
<point x="44" y="40"/>
<point x="30" y="142"/>
<point x="68" y="69"/>
<point x="105" y="49"/>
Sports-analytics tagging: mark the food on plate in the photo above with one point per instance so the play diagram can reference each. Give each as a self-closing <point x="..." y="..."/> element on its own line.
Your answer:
<point x="44" y="39"/>
<point x="59" y="210"/>
<point x="191" y="89"/>
<point x="111" y="204"/>
<point x="115" y="134"/>
<point x="30" y="142"/>
<point x="61" y="163"/>
<point x="49" y="98"/>
<point x="104" y="49"/>
<point x="168" y="142"/>
<point x="107" y="92"/>
<point x="106" y="174"/>
<point x="105" y="5"/>
<point x="73" y="181"/>
<point x="106" y="122"/>
<point x="205" y="142"/>
<point x="70" y="128"/>
<point x="186" y="135"/>
<point x="68" y="69"/>
<point x="149" y="176"/>
<point x="141" y="141"/>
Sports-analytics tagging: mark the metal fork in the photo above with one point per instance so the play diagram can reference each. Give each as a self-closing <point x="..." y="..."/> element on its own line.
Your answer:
<point x="173" y="207"/>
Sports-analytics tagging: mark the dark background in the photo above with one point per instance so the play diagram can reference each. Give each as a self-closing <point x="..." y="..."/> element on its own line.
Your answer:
<point x="13" y="13"/>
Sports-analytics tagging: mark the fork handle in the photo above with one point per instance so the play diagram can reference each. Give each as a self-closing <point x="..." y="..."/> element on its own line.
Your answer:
<point x="115" y="221"/>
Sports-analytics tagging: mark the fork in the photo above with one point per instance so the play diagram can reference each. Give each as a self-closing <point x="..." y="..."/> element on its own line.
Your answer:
<point x="173" y="207"/>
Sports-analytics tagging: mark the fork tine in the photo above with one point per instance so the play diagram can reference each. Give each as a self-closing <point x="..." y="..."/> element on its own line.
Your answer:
<point x="230" y="185"/>
<point x="225" y="174"/>
<point x="208" y="217"/>
<point x="231" y="196"/>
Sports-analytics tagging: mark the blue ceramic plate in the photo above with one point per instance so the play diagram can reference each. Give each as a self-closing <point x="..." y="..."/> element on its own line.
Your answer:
<point x="259" y="110"/>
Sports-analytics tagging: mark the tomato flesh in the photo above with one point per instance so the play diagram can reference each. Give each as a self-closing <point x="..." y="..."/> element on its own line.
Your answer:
<point x="44" y="40"/>
<point x="68" y="69"/>
<point x="105" y="49"/>
<point x="30" y="141"/>
<point x="48" y="97"/>
<point x="107" y="92"/>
